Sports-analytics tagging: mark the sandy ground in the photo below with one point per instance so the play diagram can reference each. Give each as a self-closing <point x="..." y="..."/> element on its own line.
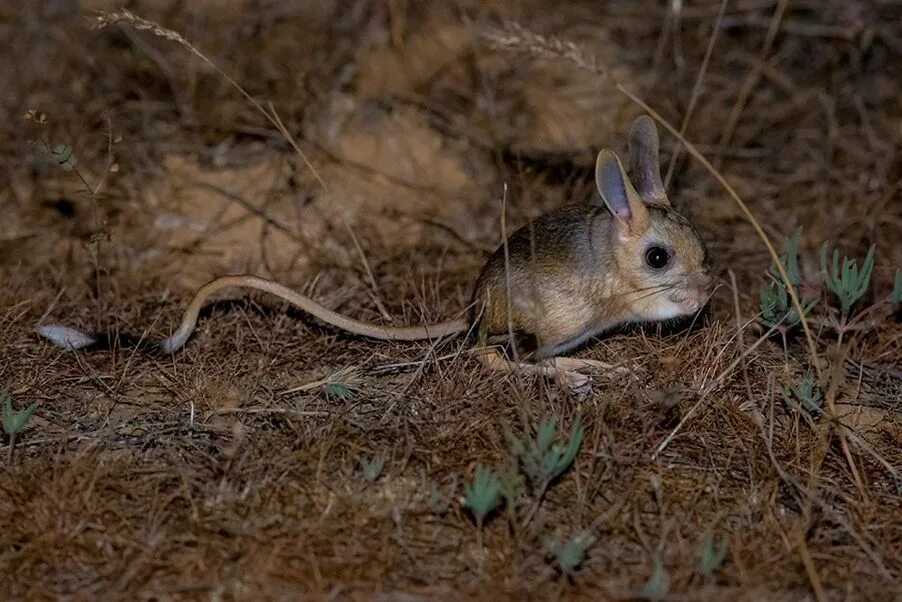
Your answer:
<point x="197" y="477"/>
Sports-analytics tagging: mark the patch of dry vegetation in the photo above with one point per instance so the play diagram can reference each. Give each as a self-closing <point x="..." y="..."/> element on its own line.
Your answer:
<point x="278" y="458"/>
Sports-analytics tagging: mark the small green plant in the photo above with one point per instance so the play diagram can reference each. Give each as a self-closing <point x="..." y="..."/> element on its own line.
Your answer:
<point x="658" y="584"/>
<point x="512" y="492"/>
<point x="842" y="276"/>
<point x="896" y="295"/>
<point x="481" y="497"/>
<point x="371" y="468"/>
<point x="342" y="384"/>
<point x="849" y="283"/>
<point x="804" y="394"/>
<point x="569" y="555"/>
<point x="845" y="279"/>
<point x="789" y="259"/>
<point x="711" y="554"/>
<point x="63" y="155"/>
<point x="777" y="309"/>
<point x="339" y="390"/>
<point x="543" y="459"/>
<point x="15" y="422"/>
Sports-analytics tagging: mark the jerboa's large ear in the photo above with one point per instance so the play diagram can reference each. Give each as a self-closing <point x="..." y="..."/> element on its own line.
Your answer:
<point x="644" y="161"/>
<point x="619" y="195"/>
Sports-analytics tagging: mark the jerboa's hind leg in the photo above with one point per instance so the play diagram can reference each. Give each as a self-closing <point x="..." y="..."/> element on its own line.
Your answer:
<point x="564" y="370"/>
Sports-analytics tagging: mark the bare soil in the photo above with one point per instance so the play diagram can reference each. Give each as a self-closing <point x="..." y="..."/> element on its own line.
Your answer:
<point x="197" y="477"/>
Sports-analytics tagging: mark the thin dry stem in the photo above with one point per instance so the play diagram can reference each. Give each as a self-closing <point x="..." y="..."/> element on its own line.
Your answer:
<point x="113" y="17"/>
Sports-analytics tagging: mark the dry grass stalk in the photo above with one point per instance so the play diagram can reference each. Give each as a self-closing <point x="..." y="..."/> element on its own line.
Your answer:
<point x="124" y="16"/>
<point x="193" y="477"/>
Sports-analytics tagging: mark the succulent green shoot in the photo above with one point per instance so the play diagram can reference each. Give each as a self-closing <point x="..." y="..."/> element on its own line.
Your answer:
<point x="342" y="384"/>
<point x="14" y="422"/>
<point x="774" y="300"/>
<point x="896" y="295"/>
<point x="845" y="279"/>
<point x="777" y="307"/>
<point x="789" y="259"/>
<point x="512" y="492"/>
<point x="482" y="495"/>
<point x="542" y="458"/>
<point x="371" y="467"/>
<point x="569" y="555"/>
<point x="545" y="435"/>
<point x="711" y="555"/>
<point x="658" y="584"/>
<point x="62" y="154"/>
<point x="338" y="390"/>
<point x="806" y="394"/>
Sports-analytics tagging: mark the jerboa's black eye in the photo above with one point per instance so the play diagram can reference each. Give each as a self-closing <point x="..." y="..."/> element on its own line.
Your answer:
<point x="657" y="257"/>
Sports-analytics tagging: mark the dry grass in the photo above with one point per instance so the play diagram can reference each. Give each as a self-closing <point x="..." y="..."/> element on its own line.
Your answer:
<point x="198" y="476"/>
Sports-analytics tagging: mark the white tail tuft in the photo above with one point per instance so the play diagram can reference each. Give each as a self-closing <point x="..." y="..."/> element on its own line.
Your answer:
<point x="66" y="338"/>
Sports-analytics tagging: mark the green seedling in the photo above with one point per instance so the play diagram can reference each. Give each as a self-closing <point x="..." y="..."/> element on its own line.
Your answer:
<point x="342" y="384"/>
<point x="481" y="497"/>
<point x="339" y="390"/>
<point x="849" y="284"/>
<point x="790" y="260"/>
<point x="371" y="467"/>
<point x="658" y="584"/>
<point x="842" y="277"/>
<point x="543" y="459"/>
<point x="512" y="491"/>
<point x="804" y="394"/>
<point x="845" y="279"/>
<point x="777" y="309"/>
<point x="15" y="422"/>
<point x="711" y="555"/>
<point x="569" y="555"/>
<point x="63" y="155"/>
<point x="896" y="295"/>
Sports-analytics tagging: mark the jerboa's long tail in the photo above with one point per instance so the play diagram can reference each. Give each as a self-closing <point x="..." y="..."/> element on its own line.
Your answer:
<point x="71" y="339"/>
